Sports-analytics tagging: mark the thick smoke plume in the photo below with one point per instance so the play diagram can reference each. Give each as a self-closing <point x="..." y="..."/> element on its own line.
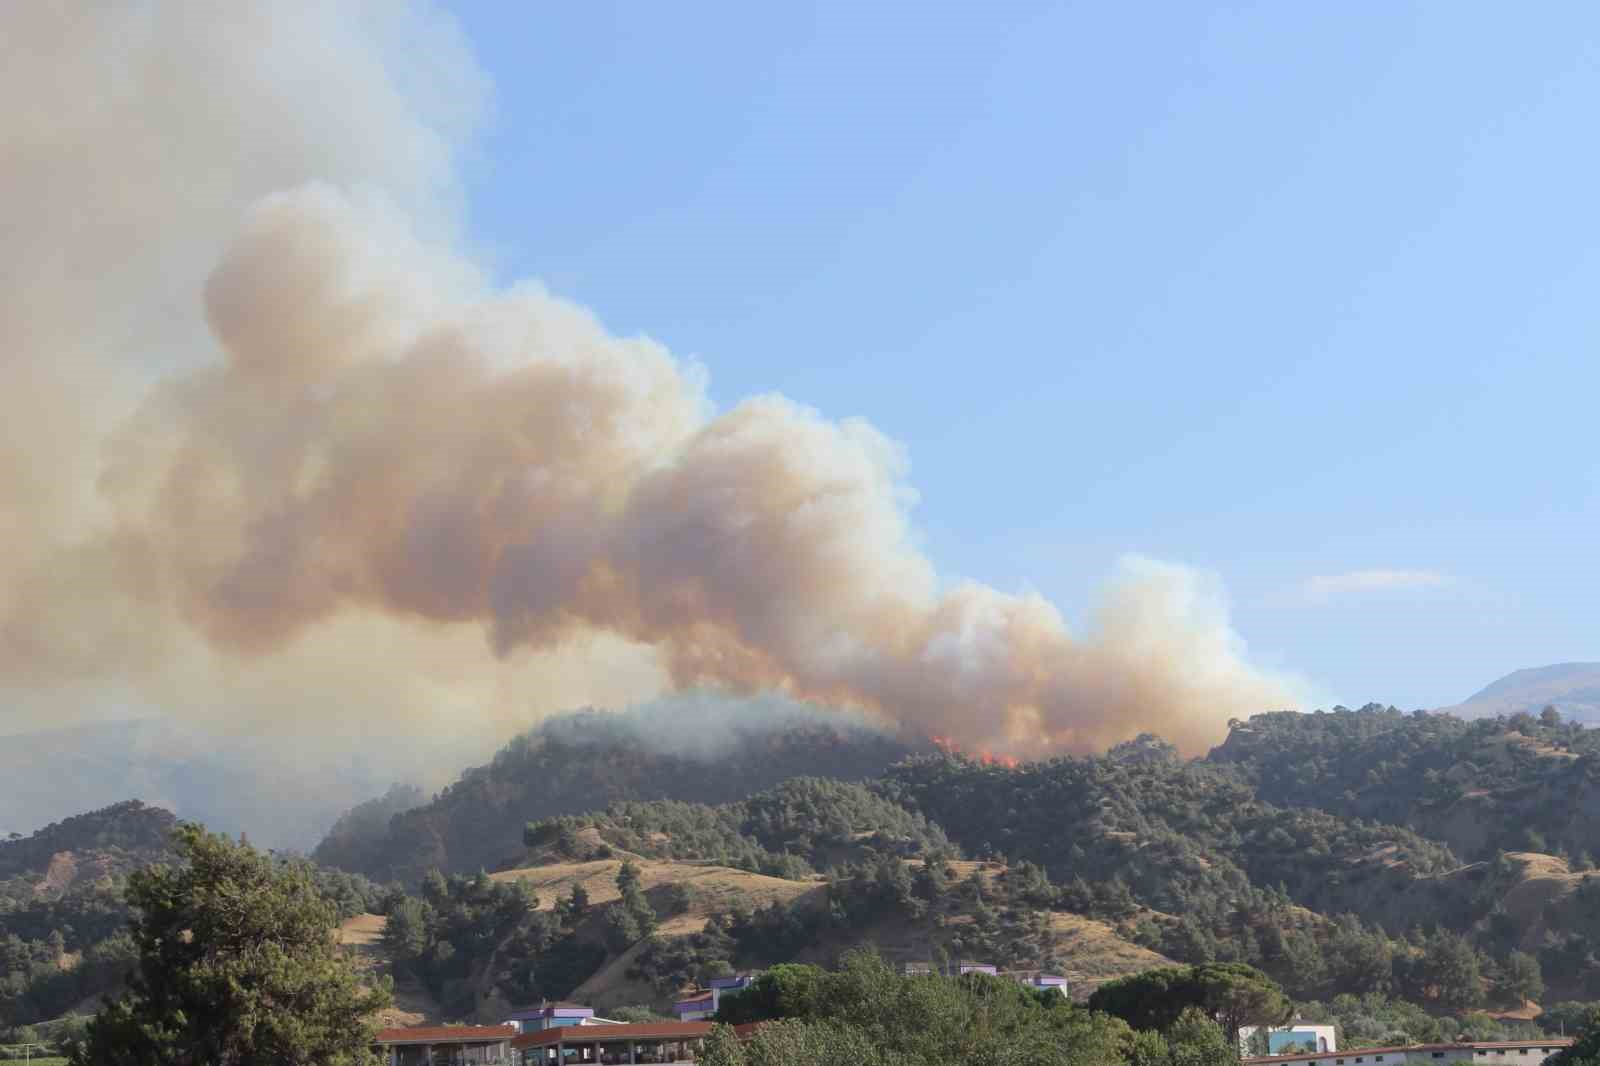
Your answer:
<point x="274" y="452"/>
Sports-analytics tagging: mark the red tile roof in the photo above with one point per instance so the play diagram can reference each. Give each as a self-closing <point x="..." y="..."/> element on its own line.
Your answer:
<point x="746" y="1031"/>
<point x="445" y="1034"/>
<point x="586" y="1034"/>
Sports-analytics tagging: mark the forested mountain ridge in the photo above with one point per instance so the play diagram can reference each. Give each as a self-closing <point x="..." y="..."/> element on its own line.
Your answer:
<point x="1522" y="783"/>
<point x="1346" y="852"/>
<point x="1273" y="850"/>
<point x="805" y="825"/>
<point x="1176" y="833"/>
<point x="115" y="839"/>
<point x="587" y="761"/>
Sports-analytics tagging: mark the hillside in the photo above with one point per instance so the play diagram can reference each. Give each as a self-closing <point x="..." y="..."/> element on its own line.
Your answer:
<point x="590" y="760"/>
<point x="1420" y="856"/>
<point x="362" y="937"/>
<point x="1573" y="689"/>
<point x="1518" y="784"/>
<point x="707" y="892"/>
<point x="711" y="889"/>
<point x="63" y="916"/>
<point x="1180" y="837"/>
<point x="802" y="826"/>
<point x="62" y="913"/>
<point x="644" y="973"/>
<point x="1339" y="851"/>
<point x="101" y="843"/>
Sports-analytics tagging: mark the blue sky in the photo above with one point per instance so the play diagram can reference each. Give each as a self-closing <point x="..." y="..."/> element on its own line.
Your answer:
<point x="1300" y="295"/>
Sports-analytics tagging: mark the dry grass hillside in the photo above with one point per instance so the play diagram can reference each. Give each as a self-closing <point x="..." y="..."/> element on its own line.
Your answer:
<point x="1543" y="890"/>
<point x="1094" y="953"/>
<point x="360" y="935"/>
<point x="713" y="889"/>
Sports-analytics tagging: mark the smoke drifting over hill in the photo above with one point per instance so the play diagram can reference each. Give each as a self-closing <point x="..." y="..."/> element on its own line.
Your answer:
<point x="276" y="456"/>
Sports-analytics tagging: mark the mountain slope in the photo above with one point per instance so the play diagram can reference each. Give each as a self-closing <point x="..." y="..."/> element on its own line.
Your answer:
<point x="1482" y="786"/>
<point x="112" y="840"/>
<point x="588" y="761"/>
<point x="1572" y="688"/>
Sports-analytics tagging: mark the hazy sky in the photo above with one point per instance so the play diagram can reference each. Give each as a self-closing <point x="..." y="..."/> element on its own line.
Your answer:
<point x="1301" y="295"/>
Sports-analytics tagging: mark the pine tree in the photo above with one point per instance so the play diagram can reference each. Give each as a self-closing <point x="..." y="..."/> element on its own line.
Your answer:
<point x="238" y="966"/>
<point x="722" y="1048"/>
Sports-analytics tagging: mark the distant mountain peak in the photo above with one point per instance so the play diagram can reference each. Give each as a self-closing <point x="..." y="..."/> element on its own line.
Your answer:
<point x="1572" y="688"/>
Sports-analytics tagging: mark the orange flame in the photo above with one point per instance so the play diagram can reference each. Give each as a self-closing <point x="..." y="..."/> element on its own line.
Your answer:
<point x="989" y="758"/>
<point x="983" y="758"/>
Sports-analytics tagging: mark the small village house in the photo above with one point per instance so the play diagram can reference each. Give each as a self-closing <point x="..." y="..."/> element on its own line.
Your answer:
<point x="702" y="1003"/>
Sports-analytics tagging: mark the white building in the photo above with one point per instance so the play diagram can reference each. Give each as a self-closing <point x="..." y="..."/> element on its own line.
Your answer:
<point x="1491" y="1053"/>
<point x="1288" y="1039"/>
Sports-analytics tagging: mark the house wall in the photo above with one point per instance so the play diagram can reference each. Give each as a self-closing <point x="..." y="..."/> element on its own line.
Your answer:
<point x="1513" y="1056"/>
<point x="1312" y="1036"/>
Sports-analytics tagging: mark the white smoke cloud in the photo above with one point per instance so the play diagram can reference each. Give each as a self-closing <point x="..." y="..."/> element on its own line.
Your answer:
<point x="277" y="458"/>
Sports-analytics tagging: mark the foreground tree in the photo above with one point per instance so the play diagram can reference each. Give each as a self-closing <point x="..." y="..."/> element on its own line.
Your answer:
<point x="867" y="1013"/>
<point x="1231" y="994"/>
<point x="238" y="966"/>
<point x="1585" y="1051"/>
<point x="1196" y="1040"/>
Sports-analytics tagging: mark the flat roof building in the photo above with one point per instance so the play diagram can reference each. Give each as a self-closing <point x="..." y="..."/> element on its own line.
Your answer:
<point x="611" y="1045"/>
<point x="446" y="1045"/>
<point x="551" y="1016"/>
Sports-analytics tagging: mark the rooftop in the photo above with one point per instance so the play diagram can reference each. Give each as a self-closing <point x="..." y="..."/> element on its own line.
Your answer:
<point x="445" y="1034"/>
<point x="589" y="1034"/>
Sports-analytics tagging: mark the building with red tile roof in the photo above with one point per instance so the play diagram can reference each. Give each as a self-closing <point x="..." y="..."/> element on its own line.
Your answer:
<point x="446" y="1045"/>
<point x="611" y="1045"/>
